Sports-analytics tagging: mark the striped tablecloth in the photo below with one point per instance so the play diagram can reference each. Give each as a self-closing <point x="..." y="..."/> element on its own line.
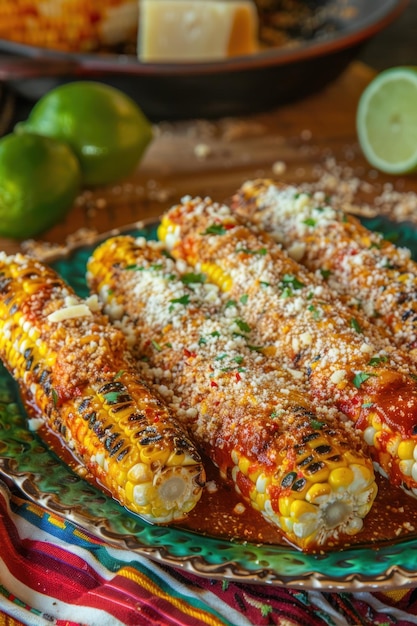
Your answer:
<point x="53" y="573"/>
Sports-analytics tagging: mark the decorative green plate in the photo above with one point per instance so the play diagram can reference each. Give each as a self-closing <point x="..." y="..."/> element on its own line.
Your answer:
<point x="28" y="464"/>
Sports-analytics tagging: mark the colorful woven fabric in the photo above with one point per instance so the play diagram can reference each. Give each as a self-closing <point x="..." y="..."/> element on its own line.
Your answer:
<point x="52" y="573"/>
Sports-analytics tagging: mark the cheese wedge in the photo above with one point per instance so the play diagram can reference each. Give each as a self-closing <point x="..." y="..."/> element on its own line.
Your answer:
<point x="196" y="30"/>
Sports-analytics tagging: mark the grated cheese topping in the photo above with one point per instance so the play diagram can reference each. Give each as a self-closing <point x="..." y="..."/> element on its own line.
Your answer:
<point x="359" y="265"/>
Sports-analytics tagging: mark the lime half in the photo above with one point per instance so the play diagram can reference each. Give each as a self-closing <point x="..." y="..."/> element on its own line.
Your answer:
<point x="386" y="121"/>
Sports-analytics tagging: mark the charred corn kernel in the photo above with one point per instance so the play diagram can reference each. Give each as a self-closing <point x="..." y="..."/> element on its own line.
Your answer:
<point x="251" y="416"/>
<point x="364" y="266"/>
<point x="70" y="25"/>
<point x="89" y="394"/>
<point x="341" y="339"/>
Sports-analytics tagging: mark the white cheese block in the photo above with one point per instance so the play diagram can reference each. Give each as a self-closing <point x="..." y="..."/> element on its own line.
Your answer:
<point x="196" y="30"/>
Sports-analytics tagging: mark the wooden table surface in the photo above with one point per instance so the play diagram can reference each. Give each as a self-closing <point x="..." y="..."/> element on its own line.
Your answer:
<point x="294" y="143"/>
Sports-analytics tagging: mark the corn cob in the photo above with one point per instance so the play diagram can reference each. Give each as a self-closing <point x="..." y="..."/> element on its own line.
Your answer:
<point x="349" y="362"/>
<point x="369" y="272"/>
<point x="70" y="25"/>
<point x="75" y="374"/>
<point x="306" y="475"/>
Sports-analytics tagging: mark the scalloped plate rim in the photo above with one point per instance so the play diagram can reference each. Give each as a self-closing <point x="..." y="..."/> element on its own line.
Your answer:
<point x="394" y="576"/>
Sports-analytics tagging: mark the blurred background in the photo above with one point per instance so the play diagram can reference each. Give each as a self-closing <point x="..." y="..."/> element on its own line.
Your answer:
<point x="397" y="45"/>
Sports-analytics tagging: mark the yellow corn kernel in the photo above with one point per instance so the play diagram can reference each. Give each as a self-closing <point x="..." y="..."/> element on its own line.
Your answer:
<point x="217" y="275"/>
<point x="285" y="506"/>
<point x="244" y="465"/>
<point x="260" y="500"/>
<point x="317" y="491"/>
<point x="299" y="508"/>
<point x="406" y="449"/>
<point x="406" y="466"/>
<point x="109" y="419"/>
<point x="375" y="421"/>
<point x="341" y="477"/>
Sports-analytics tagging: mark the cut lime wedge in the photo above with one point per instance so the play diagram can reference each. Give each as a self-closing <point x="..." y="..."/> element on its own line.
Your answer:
<point x="386" y="121"/>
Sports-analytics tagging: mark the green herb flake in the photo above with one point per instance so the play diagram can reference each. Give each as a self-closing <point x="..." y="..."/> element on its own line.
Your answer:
<point x="325" y="273"/>
<point x="244" y="298"/>
<point x="355" y="325"/>
<point x="192" y="278"/>
<point x="378" y="360"/>
<point x="156" y="345"/>
<point x="290" y="279"/>
<point x="367" y="405"/>
<point x="243" y="326"/>
<point x="316" y="424"/>
<point x="214" y="229"/>
<point x="260" y="251"/>
<point x="315" y="311"/>
<point x="185" y="299"/>
<point x="255" y="348"/>
<point x="134" y="267"/>
<point x="230" y="303"/>
<point x="55" y="397"/>
<point x="360" y="378"/>
<point x="309" y="221"/>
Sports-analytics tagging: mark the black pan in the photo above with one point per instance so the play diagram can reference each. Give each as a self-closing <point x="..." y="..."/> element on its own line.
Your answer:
<point x="237" y="86"/>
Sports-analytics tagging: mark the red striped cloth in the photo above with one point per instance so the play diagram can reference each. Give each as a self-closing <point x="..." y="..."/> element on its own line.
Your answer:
<point x="54" y="574"/>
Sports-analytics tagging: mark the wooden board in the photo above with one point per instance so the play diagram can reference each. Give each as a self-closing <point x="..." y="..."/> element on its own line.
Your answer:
<point x="294" y="143"/>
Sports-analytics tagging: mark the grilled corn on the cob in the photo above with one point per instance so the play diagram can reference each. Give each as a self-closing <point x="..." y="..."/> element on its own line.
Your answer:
<point x="349" y="363"/>
<point x="70" y="25"/>
<point x="368" y="271"/>
<point x="306" y="475"/>
<point x="76" y="377"/>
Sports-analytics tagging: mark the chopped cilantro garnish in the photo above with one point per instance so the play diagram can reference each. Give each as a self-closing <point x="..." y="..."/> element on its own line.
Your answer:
<point x="355" y="325"/>
<point x="361" y="377"/>
<point x="191" y="278"/>
<point x="309" y="221"/>
<point x="325" y="273"/>
<point x="244" y="298"/>
<point x="185" y="299"/>
<point x="377" y="360"/>
<point x="289" y="279"/>
<point x="243" y="326"/>
<point x="54" y="397"/>
<point x="214" y="229"/>
<point x="261" y="251"/>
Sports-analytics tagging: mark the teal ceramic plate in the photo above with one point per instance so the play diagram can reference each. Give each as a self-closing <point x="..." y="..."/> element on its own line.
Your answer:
<point x="27" y="464"/>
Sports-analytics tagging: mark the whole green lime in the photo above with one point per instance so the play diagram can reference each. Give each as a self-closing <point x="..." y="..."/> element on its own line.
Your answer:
<point x="105" y="128"/>
<point x="39" y="181"/>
